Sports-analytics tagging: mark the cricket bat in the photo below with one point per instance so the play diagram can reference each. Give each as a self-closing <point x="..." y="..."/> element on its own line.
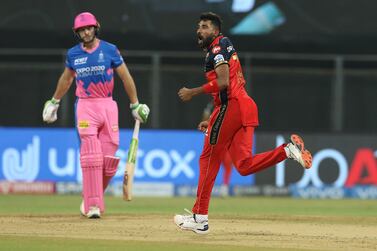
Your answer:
<point x="128" y="178"/>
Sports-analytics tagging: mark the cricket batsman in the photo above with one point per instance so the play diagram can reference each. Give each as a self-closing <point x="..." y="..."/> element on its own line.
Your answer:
<point x="92" y="63"/>
<point x="231" y="125"/>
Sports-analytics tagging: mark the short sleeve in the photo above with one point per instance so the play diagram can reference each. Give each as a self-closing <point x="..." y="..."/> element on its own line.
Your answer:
<point x="68" y="62"/>
<point x="222" y="52"/>
<point x="116" y="58"/>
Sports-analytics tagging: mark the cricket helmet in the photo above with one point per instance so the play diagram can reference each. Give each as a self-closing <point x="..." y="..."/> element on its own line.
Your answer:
<point x="85" y="19"/>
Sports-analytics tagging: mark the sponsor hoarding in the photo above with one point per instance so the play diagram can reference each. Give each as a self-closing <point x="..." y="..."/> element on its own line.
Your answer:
<point x="51" y="154"/>
<point x="171" y="156"/>
<point x="339" y="160"/>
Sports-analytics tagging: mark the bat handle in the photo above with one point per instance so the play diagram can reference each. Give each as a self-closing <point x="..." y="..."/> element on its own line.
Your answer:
<point x="135" y="135"/>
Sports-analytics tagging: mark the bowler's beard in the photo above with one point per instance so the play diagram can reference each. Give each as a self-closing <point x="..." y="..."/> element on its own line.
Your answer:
<point x="205" y="42"/>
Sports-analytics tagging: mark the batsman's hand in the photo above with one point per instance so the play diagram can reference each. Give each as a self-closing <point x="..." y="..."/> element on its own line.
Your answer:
<point x="185" y="94"/>
<point x="50" y="110"/>
<point x="203" y="126"/>
<point x="140" y="112"/>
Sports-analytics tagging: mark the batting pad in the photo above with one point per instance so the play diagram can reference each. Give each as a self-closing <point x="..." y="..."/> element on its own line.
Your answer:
<point x="110" y="164"/>
<point x="91" y="159"/>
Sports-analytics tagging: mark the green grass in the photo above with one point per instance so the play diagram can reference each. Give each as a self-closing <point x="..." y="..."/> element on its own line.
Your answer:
<point x="241" y="206"/>
<point x="37" y="244"/>
<point x="254" y="208"/>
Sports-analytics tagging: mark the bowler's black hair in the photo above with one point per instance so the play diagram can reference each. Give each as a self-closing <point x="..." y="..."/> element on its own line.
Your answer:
<point x="214" y="18"/>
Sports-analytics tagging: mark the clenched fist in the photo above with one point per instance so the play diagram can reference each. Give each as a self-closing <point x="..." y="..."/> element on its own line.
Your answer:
<point x="185" y="94"/>
<point x="140" y="112"/>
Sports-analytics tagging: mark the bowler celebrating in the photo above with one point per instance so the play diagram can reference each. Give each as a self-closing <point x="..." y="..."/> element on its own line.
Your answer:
<point x="231" y="125"/>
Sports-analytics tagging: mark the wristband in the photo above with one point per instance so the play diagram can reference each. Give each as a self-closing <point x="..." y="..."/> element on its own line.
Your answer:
<point x="134" y="105"/>
<point x="55" y="101"/>
<point x="211" y="87"/>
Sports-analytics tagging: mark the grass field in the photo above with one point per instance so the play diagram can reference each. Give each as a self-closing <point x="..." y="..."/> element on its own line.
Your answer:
<point x="54" y="223"/>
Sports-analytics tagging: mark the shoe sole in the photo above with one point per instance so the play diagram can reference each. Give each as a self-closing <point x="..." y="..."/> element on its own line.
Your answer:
<point x="94" y="216"/>
<point x="194" y="230"/>
<point x="305" y="154"/>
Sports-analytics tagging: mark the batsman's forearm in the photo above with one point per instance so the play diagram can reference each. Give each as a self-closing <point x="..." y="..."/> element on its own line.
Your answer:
<point x="128" y="82"/>
<point x="131" y="90"/>
<point x="62" y="87"/>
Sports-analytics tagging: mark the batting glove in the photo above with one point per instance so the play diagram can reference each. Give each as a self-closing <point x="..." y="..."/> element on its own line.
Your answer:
<point x="50" y="110"/>
<point x="140" y="112"/>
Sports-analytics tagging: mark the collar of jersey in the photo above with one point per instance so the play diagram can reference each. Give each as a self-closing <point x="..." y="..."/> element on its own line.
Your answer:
<point x="92" y="50"/>
<point x="215" y="41"/>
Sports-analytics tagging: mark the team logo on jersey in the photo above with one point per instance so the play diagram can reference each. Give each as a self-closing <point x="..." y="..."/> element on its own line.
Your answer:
<point x="216" y="49"/>
<point x="79" y="61"/>
<point x="229" y="48"/>
<point x="219" y="58"/>
<point x="83" y="124"/>
<point x="101" y="57"/>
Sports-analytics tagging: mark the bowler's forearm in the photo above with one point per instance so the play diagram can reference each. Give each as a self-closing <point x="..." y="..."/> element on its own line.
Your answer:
<point x="197" y="91"/>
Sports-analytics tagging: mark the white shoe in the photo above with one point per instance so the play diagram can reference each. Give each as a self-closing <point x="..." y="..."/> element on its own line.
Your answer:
<point x="93" y="213"/>
<point x="188" y="222"/>
<point x="296" y="150"/>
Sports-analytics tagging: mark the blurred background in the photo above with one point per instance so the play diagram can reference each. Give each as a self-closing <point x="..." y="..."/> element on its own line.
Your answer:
<point x="309" y="65"/>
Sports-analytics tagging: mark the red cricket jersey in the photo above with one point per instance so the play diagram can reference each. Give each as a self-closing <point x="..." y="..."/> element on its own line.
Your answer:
<point x="221" y="51"/>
